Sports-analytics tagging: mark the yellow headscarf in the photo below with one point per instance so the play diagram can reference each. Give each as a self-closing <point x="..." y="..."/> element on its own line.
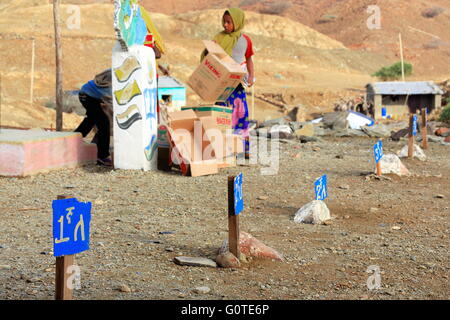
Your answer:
<point x="152" y="29"/>
<point x="228" y="40"/>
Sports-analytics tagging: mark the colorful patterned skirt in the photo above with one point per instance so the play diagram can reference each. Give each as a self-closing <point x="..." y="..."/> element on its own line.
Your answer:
<point x="240" y="115"/>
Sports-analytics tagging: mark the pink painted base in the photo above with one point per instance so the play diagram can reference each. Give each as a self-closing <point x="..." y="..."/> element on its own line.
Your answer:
<point x="24" y="153"/>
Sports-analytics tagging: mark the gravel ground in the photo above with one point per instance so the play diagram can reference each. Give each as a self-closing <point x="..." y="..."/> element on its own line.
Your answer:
<point x="399" y="225"/>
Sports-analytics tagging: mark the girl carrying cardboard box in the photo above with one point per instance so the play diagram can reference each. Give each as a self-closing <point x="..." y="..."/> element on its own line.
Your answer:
<point x="239" y="46"/>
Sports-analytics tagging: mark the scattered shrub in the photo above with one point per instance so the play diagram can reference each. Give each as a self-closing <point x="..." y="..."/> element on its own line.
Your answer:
<point x="393" y="72"/>
<point x="432" y="12"/>
<point x="276" y="8"/>
<point x="445" y="114"/>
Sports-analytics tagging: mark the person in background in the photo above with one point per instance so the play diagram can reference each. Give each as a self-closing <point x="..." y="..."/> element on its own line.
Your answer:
<point x="239" y="46"/>
<point x="96" y="98"/>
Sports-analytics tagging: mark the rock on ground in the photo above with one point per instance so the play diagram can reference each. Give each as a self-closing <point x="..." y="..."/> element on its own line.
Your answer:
<point x="252" y="247"/>
<point x="336" y="120"/>
<point x="228" y="260"/>
<point x="418" y="153"/>
<point x="202" y="290"/>
<point x="125" y="288"/>
<point x="315" y="212"/>
<point x="390" y="163"/>
<point x="195" y="262"/>
<point x="377" y="131"/>
<point x="307" y="130"/>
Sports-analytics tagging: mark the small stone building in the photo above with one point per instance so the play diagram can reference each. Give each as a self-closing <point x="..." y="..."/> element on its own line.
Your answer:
<point x="395" y="100"/>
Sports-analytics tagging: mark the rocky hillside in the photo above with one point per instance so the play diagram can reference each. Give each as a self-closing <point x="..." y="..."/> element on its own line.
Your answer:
<point x="423" y="24"/>
<point x="293" y="61"/>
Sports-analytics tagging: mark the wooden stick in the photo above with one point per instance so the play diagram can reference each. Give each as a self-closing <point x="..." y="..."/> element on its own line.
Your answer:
<point x="424" y="129"/>
<point x="62" y="291"/>
<point x="411" y="137"/>
<point x="33" y="53"/>
<point x="253" y="102"/>
<point x="401" y="55"/>
<point x="233" y="222"/>
<point x="59" y="73"/>
<point x="379" y="173"/>
<point x="0" y="102"/>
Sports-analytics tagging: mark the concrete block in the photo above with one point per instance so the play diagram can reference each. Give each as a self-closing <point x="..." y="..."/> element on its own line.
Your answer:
<point x="28" y="152"/>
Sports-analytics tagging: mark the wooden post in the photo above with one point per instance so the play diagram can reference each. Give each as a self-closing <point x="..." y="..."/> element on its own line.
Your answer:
<point x="62" y="291"/>
<point x="424" y="129"/>
<point x="33" y="52"/>
<point x="233" y="221"/>
<point x="411" y="137"/>
<point x="401" y="55"/>
<point x="379" y="173"/>
<point x="59" y="73"/>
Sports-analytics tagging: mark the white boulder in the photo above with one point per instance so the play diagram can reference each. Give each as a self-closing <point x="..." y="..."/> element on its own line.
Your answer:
<point x="315" y="212"/>
<point x="390" y="163"/>
<point x="418" y="153"/>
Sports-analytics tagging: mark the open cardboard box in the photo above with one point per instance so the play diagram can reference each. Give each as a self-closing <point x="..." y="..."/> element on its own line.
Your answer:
<point x="217" y="76"/>
<point x="196" y="154"/>
<point x="221" y="114"/>
<point x="225" y="145"/>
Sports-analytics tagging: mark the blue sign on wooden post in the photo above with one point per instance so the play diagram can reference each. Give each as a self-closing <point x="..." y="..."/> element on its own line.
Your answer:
<point x="414" y="126"/>
<point x="321" y="188"/>
<point x="378" y="151"/>
<point x="71" y="226"/>
<point x="238" y="195"/>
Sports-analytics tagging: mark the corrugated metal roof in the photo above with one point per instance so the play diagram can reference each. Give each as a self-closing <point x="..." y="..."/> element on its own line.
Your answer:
<point x="406" y="88"/>
<point x="169" y="82"/>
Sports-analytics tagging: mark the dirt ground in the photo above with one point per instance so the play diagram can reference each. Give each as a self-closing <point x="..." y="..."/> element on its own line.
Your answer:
<point x="399" y="225"/>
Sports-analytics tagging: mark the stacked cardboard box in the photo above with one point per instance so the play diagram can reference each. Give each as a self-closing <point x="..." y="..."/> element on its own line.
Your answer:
<point x="200" y="137"/>
<point x="197" y="146"/>
<point x="222" y="115"/>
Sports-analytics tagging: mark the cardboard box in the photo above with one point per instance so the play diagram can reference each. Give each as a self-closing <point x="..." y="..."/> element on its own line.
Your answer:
<point x="222" y="115"/>
<point x="223" y="144"/>
<point x="190" y="146"/>
<point x="217" y="76"/>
